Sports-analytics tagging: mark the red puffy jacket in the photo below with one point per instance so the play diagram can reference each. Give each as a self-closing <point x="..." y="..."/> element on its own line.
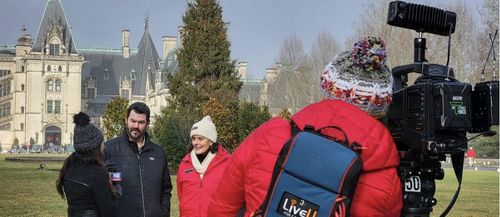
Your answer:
<point x="248" y="174"/>
<point x="195" y="193"/>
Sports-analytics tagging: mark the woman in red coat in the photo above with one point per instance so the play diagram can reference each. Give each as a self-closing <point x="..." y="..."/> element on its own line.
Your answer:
<point x="358" y="88"/>
<point x="200" y="170"/>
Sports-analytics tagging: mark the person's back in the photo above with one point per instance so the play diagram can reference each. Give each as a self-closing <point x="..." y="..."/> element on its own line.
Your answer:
<point x="87" y="192"/>
<point x="83" y="180"/>
<point x="378" y="192"/>
<point x="248" y="174"/>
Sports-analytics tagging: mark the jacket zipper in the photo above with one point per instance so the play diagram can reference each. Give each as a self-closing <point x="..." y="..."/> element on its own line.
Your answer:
<point x="142" y="188"/>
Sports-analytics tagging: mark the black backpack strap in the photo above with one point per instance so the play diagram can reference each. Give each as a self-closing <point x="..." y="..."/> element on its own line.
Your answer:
<point x="458" y="166"/>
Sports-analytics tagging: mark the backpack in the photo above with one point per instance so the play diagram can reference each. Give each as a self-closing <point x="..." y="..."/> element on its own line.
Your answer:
<point x="314" y="176"/>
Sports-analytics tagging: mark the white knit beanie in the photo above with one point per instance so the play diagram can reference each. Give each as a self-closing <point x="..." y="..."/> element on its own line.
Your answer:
<point x="205" y="128"/>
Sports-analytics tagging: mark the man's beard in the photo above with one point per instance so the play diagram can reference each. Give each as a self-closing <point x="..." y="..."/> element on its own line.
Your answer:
<point x="134" y="133"/>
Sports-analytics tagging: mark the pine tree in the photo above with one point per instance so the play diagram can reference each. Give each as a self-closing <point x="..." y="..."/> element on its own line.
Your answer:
<point x="205" y="69"/>
<point x="114" y="117"/>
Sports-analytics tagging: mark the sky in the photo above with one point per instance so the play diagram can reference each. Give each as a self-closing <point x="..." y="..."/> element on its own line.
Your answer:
<point x="257" y="28"/>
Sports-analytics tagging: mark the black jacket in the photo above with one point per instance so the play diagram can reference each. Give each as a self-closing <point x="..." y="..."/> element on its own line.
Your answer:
<point x="87" y="191"/>
<point x="146" y="183"/>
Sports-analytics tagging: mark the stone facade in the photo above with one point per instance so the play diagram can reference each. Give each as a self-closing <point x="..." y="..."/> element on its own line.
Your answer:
<point x="46" y="80"/>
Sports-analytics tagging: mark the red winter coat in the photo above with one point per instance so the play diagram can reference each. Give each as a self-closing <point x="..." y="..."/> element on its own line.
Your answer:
<point x="248" y="174"/>
<point x="195" y="193"/>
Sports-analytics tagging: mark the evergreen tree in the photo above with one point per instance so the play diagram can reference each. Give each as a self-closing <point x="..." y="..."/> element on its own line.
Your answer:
<point x="171" y="130"/>
<point x="250" y="116"/>
<point x="205" y="71"/>
<point x="114" y="117"/>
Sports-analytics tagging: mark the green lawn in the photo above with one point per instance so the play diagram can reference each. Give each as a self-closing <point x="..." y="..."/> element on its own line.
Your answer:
<point x="27" y="191"/>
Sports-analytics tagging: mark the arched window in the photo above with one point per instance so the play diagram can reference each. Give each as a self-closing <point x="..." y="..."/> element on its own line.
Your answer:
<point x="48" y="69"/>
<point x="59" y="68"/>
<point x="54" y="46"/>
<point x="50" y="85"/>
<point x="106" y="74"/>
<point x="132" y="74"/>
<point x="58" y="85"/>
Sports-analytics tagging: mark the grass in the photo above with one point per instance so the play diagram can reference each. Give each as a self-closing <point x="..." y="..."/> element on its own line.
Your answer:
<point x="30" y="192"/>
<point x="27" y="191"/>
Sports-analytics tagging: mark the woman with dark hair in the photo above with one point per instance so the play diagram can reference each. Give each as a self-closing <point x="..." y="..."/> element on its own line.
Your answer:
<point x="200" y="170"/>
<point x="83" y="180"/>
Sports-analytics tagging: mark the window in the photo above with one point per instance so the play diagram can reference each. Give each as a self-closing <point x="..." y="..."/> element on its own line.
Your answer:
<point x="50" y="85"/>
<point x="125" y="93"/>
<point x="54" y="49"/>
<point x="90" y="93"/>
<point x="49" y="106"/>
<point x="22" y="68"/>
<point x="22" y="87"/>
<point x="21" y="126"/>
<point x="132" y="74"/>
<point x="4" y="73"/>
<point x="59" y="68"/>
<point x="5" y="127"/>
<point x="4" y="88"/>
<point x="57" y="107"/>
<point x="49" y="69"/>
<point x="22" y="109"/>
<point x="58" y="85"/>
<point x="106" y="74"/>
<point x="5" y="109"/>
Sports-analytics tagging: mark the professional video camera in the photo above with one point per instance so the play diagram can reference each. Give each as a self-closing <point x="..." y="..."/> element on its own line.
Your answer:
<point x="430" y="118"/>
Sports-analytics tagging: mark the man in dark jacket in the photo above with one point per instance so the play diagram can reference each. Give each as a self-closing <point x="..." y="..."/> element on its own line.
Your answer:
<point x="145" y="179"/>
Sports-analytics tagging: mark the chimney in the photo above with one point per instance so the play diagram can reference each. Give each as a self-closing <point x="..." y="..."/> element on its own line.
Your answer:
<point x="242" y="70"/>
<point x="169" y="43"/>
<point x="125" y="44"/>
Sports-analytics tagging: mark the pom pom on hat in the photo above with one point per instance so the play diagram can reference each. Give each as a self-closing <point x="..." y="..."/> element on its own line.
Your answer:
<point x="360" y="77"/>
<point x="205" y="128"/>
<point x="86" y="136"/>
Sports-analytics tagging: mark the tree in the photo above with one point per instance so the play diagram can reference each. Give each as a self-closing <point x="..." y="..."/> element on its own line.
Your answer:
<point x="224" y="121"/>
<point x="114" y="117"/>
<point x="206" y="81"/>
<point x="489" y="17"/>
<point x="295" y="85"/>
<point x="323" y="50"/>
<point x="171" y="130"/>
<point x="285" y="113"/>
<point x="250" y="116"/>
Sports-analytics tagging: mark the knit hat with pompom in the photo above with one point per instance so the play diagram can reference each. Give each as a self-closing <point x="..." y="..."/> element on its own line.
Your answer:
<point x="86" y="136"/>
<point x="360" y="77"/>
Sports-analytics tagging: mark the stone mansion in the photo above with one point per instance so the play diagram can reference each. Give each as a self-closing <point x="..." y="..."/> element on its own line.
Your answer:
<point x="45" y="80"/>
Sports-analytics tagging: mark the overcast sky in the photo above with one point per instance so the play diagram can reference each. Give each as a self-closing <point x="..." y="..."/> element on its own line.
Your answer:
<point x="256" y="31"/>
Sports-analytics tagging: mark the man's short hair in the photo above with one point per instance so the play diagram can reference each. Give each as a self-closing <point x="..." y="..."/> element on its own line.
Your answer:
<point x="139" y="108"/>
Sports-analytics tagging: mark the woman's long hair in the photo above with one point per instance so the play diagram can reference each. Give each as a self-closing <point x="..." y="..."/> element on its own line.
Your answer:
<point x="89" y="157"/>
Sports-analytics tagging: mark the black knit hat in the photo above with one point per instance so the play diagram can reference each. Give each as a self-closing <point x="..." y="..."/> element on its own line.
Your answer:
<point x="87" y="136"/>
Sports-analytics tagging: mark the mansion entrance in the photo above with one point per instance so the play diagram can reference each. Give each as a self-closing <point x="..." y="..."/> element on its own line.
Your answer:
<point x="52" y="135"/>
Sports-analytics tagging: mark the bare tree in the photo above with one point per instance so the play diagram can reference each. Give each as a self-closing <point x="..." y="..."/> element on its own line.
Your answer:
<point x="399" y="41"/>
<point x="291" y="53"/>
<point x="295" y="85"/>
<point x="489" y="17"/>
<point x="324" y="48"/>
